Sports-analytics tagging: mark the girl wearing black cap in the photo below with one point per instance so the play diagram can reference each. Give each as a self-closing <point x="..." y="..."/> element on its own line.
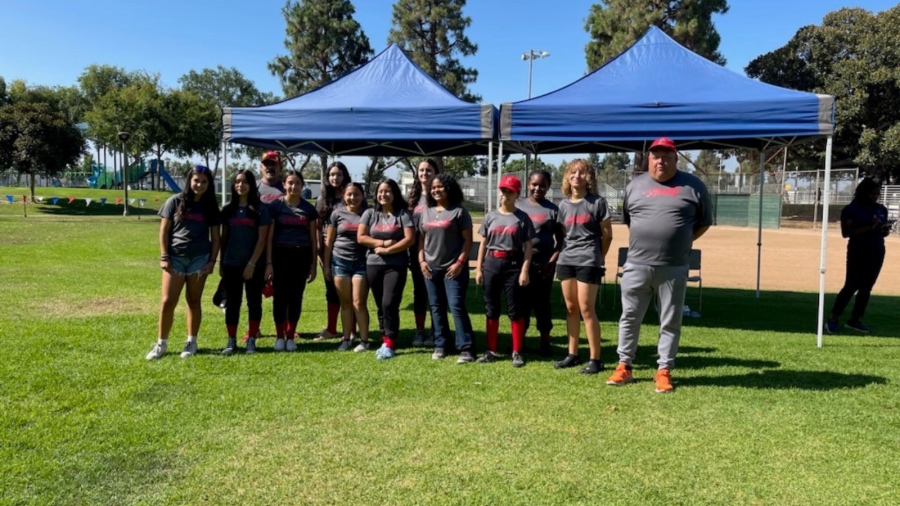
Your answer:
<point x="188" y="246"/>
<point x="291" y="253"/>
<point x="504" y="260"/>
<point x="445" y="238"/>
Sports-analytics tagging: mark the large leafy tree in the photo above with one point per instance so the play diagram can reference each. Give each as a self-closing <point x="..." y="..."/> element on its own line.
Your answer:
<point x="853" y="55"/>
<point x="614" y="25"/>
<point x="323" y="42"/>
<point x="36" y="139"/>
<point x="432" y="32"/>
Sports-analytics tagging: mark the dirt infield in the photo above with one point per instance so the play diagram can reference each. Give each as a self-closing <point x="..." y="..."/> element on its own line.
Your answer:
<point x="790" y="259"/>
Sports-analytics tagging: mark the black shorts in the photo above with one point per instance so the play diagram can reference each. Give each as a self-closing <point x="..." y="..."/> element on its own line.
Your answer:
<point x="590" y="275"/>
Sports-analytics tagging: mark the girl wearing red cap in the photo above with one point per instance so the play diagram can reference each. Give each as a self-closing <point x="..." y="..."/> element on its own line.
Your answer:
<point x="588" y="234"/>
<point x="188" y="246"/>
<point x="291" y="253"/>
<point x="417" y="202"/>
<point x="245" y="233"/>
<point x="345" y="265"/>
<point x="504" y="259"/>
<point x="445" y="238"/>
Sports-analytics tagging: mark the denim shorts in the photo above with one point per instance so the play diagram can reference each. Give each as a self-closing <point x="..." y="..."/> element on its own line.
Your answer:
<point x="188" y="265"/>
<point x="344" y="268"/>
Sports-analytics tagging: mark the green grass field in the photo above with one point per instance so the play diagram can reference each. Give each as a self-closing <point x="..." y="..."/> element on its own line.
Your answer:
<point x="759" y="416"/>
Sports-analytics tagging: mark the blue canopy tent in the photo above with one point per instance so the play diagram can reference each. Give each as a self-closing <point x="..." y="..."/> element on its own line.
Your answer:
<point x="659" y="88"/>
<point x="387" y="107"/>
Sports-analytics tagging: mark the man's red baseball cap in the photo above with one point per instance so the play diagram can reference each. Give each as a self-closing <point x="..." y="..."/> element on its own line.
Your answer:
<point x="272" y="155"/>
<point x="510" y="183"/>
<point x="664" y="143"/>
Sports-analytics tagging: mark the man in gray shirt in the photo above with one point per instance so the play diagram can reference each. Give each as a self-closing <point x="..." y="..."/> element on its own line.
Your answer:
<point x="666" y="210"/>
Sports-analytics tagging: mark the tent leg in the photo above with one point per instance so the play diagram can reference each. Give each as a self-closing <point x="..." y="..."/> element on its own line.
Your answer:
<point x="490" y="171"/>
<point x="224" y="164"/>
<point x="762" y="178"/>
<point x="826" y="197"/>
<point x="499" y="163"/>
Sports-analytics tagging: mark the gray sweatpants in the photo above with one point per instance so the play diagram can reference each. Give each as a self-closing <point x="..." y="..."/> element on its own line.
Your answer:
<point x="639" y="283"/>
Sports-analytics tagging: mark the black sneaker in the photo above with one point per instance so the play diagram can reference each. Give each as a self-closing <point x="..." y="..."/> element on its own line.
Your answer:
<point x="857" y="326"/>
<point x="465" y="357"/>
<point x="419" y="340"/>
<point x="517" y="360"/>
<point x="487" y="358"/>
<point x="231" y="347"/>
<point x="429" y="341"/>
<point x="569" y="361"/>
<point x="438" y="354"/>
<point x="593" y="367"/>
<point x="251" y="346"/>
<point x="346" y="344"/>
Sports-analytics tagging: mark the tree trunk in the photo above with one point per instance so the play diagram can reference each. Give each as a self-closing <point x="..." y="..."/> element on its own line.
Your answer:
<point x="323" y="160"/>
<point x="32" y="187"/>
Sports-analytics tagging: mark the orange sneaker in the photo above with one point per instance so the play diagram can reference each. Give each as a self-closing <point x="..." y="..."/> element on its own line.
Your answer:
<point x="620" y="376"/>
<point x="663" y="381"/>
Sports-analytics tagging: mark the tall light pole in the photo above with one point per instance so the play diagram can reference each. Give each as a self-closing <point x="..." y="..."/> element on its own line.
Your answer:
<point x="123" y="136"/>
<point x="530" y="56"/>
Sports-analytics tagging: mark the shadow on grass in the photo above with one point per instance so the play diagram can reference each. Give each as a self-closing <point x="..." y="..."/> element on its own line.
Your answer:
<point x="78" y="208"/>
<point x="786" y="380"/>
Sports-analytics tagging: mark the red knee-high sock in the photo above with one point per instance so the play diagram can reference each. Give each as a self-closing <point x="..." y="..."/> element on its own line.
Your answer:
<point x="493" y="328"/>
<point x="232" y="330"/>
<point x="290" y="330"/>
<point x="518" y="334"/>
<point x="420" y="320"/>
<point x="389" y="342"/>
<point x="545" y="337"/>
<point x="333" y="311"/>
<point x="279" y="330"/>
<point x="253" y="328"/>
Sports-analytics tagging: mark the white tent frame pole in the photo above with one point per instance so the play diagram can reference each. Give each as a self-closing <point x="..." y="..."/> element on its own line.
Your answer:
<point x="762" y="178"/>
<point x="490" y="171"/>
<point x="825" y="197"/>
<point x="499" y="163"/>
<point x="224" y="165"/>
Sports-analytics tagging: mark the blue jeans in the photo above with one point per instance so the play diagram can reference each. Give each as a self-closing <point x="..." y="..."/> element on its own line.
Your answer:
<point x="443" y="292"/>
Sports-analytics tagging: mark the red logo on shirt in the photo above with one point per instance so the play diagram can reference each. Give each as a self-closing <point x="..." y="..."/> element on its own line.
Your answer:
<point x="419" y="208"/>
<point x="295" y="220"/>
<point x="241" y="221"/>
<point x="662" y="192"/>
<point x="349" y="227"/>
<point x="538" y="219"/>
<point x="578" y="219"/>
<point x="268" y="197"/>
<point x="195" y="217"/>
<point x="433" y="224"/>
<point x="505" y="230"/>
<point x="385" y="228"/>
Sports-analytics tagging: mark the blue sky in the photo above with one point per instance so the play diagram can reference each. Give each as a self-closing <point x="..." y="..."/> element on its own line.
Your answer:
<point x="50" y="42"/>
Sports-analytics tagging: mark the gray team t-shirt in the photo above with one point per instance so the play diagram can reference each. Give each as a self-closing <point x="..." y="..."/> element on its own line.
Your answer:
<point x="383" y="227"/>
<point x="506" y="232"/>
<point x="292" y="224"/>
<point x="581" y="221"/>
<point x="243" y="233"/>
<point x="269" y="193"/>
<point x="443" y="234"/>
<point x="544" y="217"/>
<point x="662" y="218"/>
<point x="189" y="234"/>
<point x="345" y="225"/>
<point x="336" y="203"/>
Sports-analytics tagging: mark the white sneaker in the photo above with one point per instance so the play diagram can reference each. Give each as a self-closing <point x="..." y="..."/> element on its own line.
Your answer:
<point x="158" y="351"/>
<point x="290" y="345"/>
<point x="279" y="344"/>
<point x="361" y="347"/>
<point x="325" y="334"/>
<point x="190" y="349"/>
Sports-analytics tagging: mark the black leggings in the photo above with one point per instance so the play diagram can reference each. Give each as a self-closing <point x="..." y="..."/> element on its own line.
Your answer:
<point x="420" y="293"/>
<point x="501" y="275"/>
<point x="387" y="283"/>
<point x="863" y="268"/>
<point x="290" y="268"/>
<point x="235" y="285"/>
<point x="537" y="301"/>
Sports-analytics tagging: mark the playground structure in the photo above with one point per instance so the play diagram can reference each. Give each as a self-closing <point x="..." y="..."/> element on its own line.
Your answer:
<point x="103" y="179"/>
